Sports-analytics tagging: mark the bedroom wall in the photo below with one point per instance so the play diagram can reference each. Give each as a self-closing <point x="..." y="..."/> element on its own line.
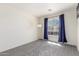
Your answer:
<point x="16" y="27"/>
<point x="70" y="24"/>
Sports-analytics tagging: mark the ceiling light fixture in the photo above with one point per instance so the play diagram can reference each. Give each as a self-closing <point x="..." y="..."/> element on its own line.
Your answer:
<point x="49" y="9"/>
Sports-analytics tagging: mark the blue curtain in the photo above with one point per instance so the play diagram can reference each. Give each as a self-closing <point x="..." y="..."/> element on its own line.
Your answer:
<point x="46" y="28"/>
<point x="62" y="35"/>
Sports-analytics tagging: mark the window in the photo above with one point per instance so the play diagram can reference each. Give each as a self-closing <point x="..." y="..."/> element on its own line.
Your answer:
<point x="53" y="26"/>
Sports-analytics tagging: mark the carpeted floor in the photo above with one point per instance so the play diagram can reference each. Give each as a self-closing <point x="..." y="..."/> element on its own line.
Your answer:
<point x="42" y="48"/>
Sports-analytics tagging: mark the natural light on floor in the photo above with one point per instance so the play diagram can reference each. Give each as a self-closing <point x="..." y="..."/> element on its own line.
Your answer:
<point x="54" y="43"/>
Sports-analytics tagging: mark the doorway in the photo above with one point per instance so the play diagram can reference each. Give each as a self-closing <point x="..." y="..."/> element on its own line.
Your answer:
<point x="53" y="29"/>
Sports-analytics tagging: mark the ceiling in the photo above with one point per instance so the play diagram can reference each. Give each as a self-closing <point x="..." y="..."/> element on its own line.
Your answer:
<point x="40" y="9"/>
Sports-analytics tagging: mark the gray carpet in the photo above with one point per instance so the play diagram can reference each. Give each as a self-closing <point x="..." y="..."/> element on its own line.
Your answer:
<point x="41" y="48"/>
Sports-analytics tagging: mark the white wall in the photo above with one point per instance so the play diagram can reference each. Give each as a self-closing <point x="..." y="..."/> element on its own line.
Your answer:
<point x="78" y="33"/>
<point x="16" y="27"/>
<point x="70" y="24"/>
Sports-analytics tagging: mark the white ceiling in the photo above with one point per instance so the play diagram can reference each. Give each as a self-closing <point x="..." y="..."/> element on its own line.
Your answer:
<point x="40" y="9"/>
